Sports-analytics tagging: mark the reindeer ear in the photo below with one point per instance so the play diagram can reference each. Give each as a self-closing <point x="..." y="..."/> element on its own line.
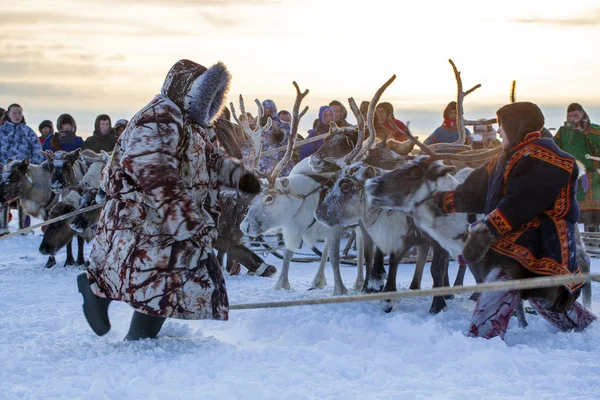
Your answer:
<point x="25" y="163"/>
<point x="436" y="170"/>
<point x="206" y="97"/>
<point x="285" y="182"/>
<point x="74" y="155"/>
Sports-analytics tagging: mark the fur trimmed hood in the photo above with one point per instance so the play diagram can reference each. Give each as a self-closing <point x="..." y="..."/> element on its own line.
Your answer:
<point x="183" y="86"/>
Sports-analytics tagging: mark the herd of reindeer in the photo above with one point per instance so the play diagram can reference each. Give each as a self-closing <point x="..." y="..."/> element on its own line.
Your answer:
<point x="378" y="188"/>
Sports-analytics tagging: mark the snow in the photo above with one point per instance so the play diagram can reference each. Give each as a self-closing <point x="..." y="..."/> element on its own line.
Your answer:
<point x="349" y="351"/>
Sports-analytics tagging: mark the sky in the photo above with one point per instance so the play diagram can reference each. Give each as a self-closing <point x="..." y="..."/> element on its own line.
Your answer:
<point x="91" y="57"/>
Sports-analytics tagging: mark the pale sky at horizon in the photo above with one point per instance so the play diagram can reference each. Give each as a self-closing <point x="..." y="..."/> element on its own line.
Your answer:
<point x="90" y="57"/>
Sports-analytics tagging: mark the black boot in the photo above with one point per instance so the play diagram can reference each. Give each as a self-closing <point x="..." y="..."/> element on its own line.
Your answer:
<point x="95" y="308"/>
<point x="144" y="326"/>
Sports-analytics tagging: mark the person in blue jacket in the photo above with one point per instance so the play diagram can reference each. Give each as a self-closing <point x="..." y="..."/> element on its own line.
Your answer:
<point x="65" y="139"/>
<point x="326" y="116"/>
<point x="17" y="140"/>
<point x="448" y="132"/>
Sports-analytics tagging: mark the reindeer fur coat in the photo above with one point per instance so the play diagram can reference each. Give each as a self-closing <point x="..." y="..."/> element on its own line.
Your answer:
<point x="154" y="244"/>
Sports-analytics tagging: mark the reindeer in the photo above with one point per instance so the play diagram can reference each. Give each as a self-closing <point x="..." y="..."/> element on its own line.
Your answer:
<point x="81" y="194"/>
<point x="288" y="204"/>
<point x="345" y="203"/>
<point x="67" y="168"/>
<point x="30" y="184"/>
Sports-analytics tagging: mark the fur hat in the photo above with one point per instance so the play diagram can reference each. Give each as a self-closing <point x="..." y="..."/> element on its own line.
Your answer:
<point x="46" y="124"/>
<point x="575" y="107"/>
<point x="270" y="104"/>
<point x="196" y="90"/>
<point x="449" y="108"/>
<point x="519" y="119"/>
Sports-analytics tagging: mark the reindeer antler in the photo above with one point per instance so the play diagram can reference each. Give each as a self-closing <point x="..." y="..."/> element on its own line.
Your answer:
<point x="49" y="155"/>
<point x="513" y="90"/>
<point x="255" y="135"/>
<point x="468" y="156"/>
<point x="370" y="114"/>
<point x="361" y="132"/>
<point x="296" y="116"/>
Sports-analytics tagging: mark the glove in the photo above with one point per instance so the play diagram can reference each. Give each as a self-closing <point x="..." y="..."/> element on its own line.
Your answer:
<point x="479" y="240"/>
<point x="249" y="183"/>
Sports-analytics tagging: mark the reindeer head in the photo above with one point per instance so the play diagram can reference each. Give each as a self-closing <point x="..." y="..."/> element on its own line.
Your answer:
<point x="61" y="164"/>
<point x="276" y="205"/>
<point x="15" y="178"/>
<point x="338" y="144"/>
<point x="58" y="234"/>
<point x="89" y="219"/>
<point x="345" y="203"/>
<point x="404" y="187"/>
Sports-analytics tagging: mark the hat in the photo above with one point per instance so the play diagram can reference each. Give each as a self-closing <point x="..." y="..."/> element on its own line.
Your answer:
<point x="519" y="119"/>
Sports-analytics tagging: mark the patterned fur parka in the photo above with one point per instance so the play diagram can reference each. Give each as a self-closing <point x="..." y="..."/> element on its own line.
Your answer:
<point x="154" y="244"/>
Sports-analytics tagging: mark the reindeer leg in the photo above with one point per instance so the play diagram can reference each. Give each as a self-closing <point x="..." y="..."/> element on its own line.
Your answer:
<point x="220" y="256"/>
<point x="319" y="281"/>
<point x="460" y="276"/>
<point x="390" y="285"/>
<point x="70" y="260"/>
<point x="334" y="258"/>
<point x="583" y="261"/>
<point x="360" y="260"/>
<point x="4" y="219"/>
<point x="378" y="275"/>
<point x="422" y="252"/>
<point x="521" y="318"/>
<point x="51" y="262"/>
<point x="283" y="281"/>
<point x="368" y="249"/>
<point x="250" y="260"/>
<point x="439" y="269"/>
<point x="80" y="255"/>
<point x="447" y="280"/>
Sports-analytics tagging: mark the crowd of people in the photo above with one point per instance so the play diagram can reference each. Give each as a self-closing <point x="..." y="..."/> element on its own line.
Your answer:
<point x="18" y="140"/>
<point x="578" y="137"/>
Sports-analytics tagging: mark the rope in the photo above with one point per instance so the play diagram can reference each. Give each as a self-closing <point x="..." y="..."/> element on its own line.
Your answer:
<point x="529" y="283"/>
<point x="51" y="221"/>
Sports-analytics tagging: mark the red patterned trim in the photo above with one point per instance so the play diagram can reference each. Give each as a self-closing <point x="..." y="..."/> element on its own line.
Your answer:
<point x="544" y="266"/>
<point x="448" y="205"/>
<point x="540" y="153"/>
<point x="530" y="137"/>
<point x="499" y="222"/>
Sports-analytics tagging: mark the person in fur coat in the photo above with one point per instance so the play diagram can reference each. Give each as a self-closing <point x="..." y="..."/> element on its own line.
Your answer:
<point x="528" y="195"/>
<point x="154" y="243"/>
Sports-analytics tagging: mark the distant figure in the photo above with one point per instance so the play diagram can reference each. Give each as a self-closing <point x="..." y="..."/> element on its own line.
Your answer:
<point x="275" y="137"/>
<point x="448" y="132"/>
<point x="46" y="128"/>
<point x="104" y="137"/>
<point x="383" y="113"/>
<point x="326" y="116"/>
<point x="65" y="139"/>
<point x="340" y="114"/>
<point x="489" y="138"/>
<point x="579" y="137"/>
<point x="285" y="116"/>
<point x="120" y="126"/>
<point x="17" y="140"/>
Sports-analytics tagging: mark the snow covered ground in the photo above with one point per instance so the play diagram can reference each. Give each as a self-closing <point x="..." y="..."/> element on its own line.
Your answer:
<point x="349" y="351"/>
